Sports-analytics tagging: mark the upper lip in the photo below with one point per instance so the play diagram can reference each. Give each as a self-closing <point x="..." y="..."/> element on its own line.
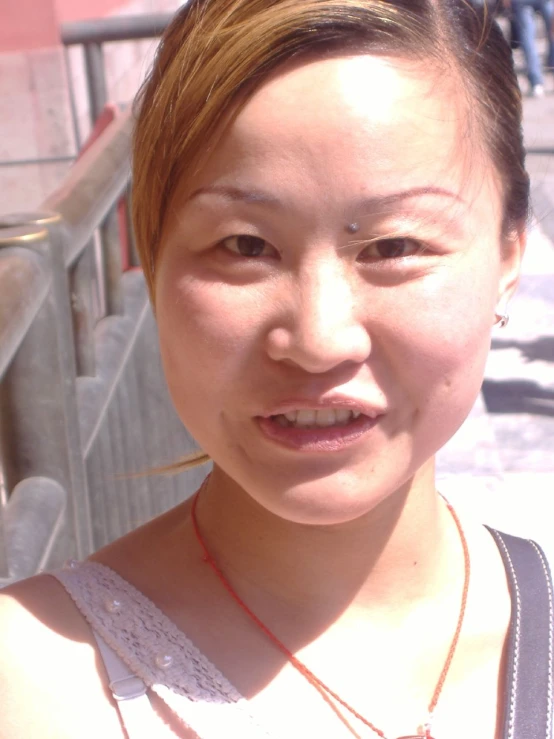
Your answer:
<point x="336" y="401"/>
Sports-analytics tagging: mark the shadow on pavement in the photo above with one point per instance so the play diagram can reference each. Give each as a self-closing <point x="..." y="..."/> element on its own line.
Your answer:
<point x="518" y="396"/>
<point x="541" y="349"/>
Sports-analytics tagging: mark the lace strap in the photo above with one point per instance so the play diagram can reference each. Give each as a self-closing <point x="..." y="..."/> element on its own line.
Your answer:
<point x="159" y="654"/>
<point x="129" y="692"/>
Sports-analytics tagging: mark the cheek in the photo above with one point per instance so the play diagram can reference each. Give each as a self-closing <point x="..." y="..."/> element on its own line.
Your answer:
<point x="208" y="333"/>
<point x="445" y="342"/>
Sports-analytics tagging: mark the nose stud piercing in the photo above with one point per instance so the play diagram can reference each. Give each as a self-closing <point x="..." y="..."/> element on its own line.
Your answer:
<point x="353" y="228"/>
<point x="502" y="319"/>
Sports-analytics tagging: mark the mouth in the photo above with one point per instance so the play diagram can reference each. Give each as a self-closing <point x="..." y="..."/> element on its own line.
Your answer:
<point x="321" y="429"/>
<point x="317" y="418"/>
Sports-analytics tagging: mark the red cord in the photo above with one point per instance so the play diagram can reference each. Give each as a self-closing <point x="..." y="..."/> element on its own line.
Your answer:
<point x="323" y="689"/>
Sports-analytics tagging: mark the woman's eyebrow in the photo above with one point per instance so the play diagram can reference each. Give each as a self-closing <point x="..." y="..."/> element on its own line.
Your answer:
<point x="371" y="203"/>
<point x="378" y="201"/>
<point x="236" y="194"/>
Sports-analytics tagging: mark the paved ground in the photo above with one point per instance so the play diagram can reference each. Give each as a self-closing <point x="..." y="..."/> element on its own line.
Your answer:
<point x="501" y="463"/>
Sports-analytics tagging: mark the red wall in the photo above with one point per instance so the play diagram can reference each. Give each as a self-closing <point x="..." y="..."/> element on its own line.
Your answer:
<point x="77" y="10"/>
<point x="28" y="24"/>
<point x="33" y="24"/>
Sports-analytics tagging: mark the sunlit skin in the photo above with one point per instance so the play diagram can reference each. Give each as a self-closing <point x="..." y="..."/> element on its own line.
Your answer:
<point x="319" y="312"/>
<point x="325" y="540"/>
<point x="370" y="267"/>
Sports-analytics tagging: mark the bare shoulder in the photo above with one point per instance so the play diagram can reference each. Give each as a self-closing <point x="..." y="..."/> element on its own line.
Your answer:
<point x="51" y="683"/>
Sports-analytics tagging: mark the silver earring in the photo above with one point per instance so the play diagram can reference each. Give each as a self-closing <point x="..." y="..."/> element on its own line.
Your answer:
<point x="502" y="320"/>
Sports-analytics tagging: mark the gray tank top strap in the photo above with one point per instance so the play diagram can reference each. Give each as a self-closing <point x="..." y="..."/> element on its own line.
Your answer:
<point x="528" y="687"/>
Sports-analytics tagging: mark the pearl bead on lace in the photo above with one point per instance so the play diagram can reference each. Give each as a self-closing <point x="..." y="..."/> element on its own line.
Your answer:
<point x="71" y="564"/>
<point x="163" y="661"/>
<point x="112" y="605"/>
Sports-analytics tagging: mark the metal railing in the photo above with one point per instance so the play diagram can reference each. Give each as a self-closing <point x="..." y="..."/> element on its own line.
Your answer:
<point x="83" y="403"/>
<point x="93" y="34"/>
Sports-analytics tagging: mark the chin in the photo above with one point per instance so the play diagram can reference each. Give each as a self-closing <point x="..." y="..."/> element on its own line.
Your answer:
<point x="324" y="501"/>
<point x="331" y="490"/>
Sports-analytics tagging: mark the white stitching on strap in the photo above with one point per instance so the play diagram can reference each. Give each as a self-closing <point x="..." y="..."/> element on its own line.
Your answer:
<point x="517" y="636"/>
<point x="550" y="640"/>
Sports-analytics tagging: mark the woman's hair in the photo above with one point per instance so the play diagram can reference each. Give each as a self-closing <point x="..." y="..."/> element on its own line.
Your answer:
<point x="216" y="53"/>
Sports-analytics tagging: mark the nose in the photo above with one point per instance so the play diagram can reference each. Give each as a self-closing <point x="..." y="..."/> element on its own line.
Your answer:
<point x="321" y="327"/>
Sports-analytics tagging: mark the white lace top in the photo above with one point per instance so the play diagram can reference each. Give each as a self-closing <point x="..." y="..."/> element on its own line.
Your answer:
<point x="160" y="654"/>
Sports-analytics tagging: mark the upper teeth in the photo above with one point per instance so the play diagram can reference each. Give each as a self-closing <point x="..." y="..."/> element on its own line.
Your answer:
<point x="322" y="417"/>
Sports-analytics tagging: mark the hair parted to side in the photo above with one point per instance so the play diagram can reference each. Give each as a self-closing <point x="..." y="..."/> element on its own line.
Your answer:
<point x="215" y="53"/>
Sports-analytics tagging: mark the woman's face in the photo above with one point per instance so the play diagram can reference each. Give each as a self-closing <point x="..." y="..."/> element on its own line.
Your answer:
<point x="327" y="284"/>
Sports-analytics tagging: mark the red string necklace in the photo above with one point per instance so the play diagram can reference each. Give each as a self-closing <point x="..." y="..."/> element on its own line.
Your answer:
<point x="327" y="693"/>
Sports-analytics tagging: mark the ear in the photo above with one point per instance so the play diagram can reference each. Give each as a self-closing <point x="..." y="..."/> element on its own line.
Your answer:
<point x="513" y="248"/>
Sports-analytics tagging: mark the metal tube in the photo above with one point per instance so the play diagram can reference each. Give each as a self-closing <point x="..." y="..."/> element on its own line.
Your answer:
<point x="98" y="286"/>
<point x="136" y="450"/>
<point x="37" y="160"/>
<point x="35" y="433"/>
<point x="120" y="484"/>
<point x="118" y="28"/>
<point x="92" y="186"/>
<point x="4" y="560"/>
<point x="132" y="256"/>
<point x="23" y="291"/>
<point x="81" y="303"/>
<point x="72" y="101"/>
<point x="111" y="249"/>
<point x="53" y="428"/>
<point x="24" y="288"/>
<point x="53" y="248"/>
<point x="33" y="519"/>
<point x="96" y="79"/>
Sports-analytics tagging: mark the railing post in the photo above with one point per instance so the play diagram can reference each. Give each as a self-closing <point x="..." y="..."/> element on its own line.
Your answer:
<point x="111" y="248"/>
<point x="80" y="285"/>
<point x="31" y="386"/>
<point x="92" y="34"/>
<point x="54" y="252"/>
<point x="96" y="79"/>
<point x="33" y="522"/>
<point x="4" y="562"/>
<point x="133" y="257"/>
<point x="23" y="289"/>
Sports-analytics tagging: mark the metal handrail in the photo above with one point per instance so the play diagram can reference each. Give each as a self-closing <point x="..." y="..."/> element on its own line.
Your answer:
<point x="116" y="28"/>
<point x="25" y="287"/>
<point x="84" y="405"/>
<point x="92" y="186"/>
<point x="92" y="34"/>
<point x="46" y="329"/>
<point x="86" y="202"/>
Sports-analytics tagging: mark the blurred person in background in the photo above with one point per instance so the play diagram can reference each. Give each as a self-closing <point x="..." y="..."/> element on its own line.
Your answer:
<point x="523" y="22"/>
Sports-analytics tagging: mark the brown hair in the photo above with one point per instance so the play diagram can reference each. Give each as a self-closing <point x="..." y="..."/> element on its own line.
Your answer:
<point x="216" y="52"/>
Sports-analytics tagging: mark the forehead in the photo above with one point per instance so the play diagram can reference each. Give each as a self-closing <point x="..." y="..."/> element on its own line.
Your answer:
<point x="366" y="123"/>
<point x="368" y="87"/>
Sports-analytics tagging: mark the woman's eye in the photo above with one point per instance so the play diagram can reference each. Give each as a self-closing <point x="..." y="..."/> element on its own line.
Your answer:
<point x="248" y="246"/>
<point x="393" y="248"/>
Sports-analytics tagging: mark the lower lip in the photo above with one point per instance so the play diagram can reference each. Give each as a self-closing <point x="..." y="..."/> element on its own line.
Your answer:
<point x="323" y="439"/>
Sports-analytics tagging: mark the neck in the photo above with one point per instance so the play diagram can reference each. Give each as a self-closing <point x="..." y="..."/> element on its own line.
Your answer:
<point x="400" y="552"/>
